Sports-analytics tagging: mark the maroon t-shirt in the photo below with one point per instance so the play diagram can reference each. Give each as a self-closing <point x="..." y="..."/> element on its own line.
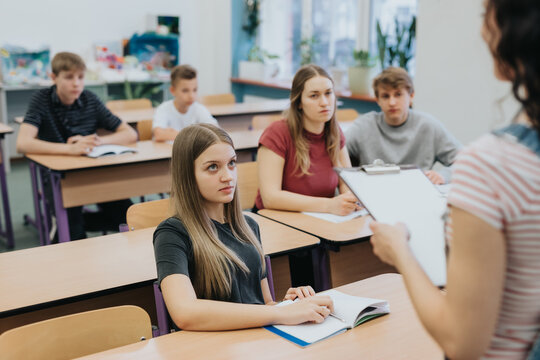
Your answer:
<point x="323" y="180"/>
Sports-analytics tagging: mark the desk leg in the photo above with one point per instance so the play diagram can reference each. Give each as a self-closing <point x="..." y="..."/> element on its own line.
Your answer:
<point x="60" y="211"/>
<point x="5" y="202"/>
<point x="38" y="198"/>
<point x="321" y="269"/>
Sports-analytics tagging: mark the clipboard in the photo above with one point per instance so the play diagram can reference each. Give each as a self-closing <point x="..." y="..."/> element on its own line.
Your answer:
<point x="409" y="197"/>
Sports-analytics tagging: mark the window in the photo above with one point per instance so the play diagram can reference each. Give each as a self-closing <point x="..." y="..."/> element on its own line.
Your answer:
<point x="386" y="11"/>
<point x="332" y="29"/>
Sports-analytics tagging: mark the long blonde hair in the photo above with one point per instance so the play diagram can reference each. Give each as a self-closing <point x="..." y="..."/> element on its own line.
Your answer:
<point x="294" y="116"/>
<point x="214" y="262"/>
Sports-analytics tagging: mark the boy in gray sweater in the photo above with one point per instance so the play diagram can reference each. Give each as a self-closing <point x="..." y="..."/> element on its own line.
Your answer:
<point x="400" y="135"/>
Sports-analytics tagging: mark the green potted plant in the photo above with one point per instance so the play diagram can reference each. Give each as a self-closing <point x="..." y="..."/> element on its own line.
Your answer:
<point x="308" y="55"/>
<point x="361" y="73"/>
<point x="257" y="67"/>
<point x="401" y="50"/>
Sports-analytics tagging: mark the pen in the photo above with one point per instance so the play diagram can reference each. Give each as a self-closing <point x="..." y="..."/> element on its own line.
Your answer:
<point x="337" y="317"/>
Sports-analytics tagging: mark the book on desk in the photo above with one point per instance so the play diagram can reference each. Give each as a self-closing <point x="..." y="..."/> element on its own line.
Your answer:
<point x="109" y="149"/>
<point x="349" y="312"/>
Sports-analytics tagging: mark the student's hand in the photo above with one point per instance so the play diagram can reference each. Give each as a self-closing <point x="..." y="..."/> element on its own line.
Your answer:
<point x="79" y="148"/>
<point x="434" y="177"/>
<point x="90" y="140"/>
<point x="344" y="204"/>
<point x="389" y="241"/>
<point x="299" y="292"/>
<point x="312" y="309"/>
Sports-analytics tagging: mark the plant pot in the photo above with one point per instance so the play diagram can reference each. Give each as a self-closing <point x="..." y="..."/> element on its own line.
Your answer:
<point x="251" y="70"/>
<point x="340" y="78"/>
<point x="360" y="80"/>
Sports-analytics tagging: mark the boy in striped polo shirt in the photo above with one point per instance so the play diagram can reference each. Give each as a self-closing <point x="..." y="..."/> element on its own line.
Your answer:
<point x="63" y="119"/>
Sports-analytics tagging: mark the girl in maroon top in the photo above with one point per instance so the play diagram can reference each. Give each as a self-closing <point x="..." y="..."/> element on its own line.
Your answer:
<point x="296" y="156"/>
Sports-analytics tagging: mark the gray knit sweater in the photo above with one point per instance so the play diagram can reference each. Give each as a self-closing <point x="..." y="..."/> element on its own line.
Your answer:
<point x="421" y="140"/>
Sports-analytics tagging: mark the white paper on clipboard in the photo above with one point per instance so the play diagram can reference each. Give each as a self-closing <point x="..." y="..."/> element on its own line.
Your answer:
<point x="408" y="197"/>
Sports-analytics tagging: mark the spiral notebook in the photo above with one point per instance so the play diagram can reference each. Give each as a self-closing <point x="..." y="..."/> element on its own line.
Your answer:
<point x="409" y="197"/>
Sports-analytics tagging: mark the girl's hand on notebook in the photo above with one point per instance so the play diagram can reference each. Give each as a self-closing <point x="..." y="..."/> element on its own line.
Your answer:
<point x="344" y="204"/>
<point x="390" y="242"/>
<point x="311" y="309"/>
<point x="299" y="292"/>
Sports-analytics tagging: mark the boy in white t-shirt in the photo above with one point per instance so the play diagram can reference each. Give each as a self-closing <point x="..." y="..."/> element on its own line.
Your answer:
<point x="174" y="115"/>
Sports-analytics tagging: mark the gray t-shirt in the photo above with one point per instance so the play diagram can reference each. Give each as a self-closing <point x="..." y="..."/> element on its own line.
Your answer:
<point x="174" y="255"/>
<point x="421" y="140"/>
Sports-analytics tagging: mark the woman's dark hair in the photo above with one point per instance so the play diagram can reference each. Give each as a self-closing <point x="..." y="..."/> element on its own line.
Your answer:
<point x="517" y="52"/>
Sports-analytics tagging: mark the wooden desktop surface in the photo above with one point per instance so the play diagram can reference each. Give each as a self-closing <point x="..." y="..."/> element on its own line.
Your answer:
<point x="49" y="273"/>
<point x="398" y="335"/>
<point x="246" y="139"/>
<point x="337" y="233"/>
<point x="260" y="107"/>
<point x="246" y="108"/>
<point x="146" y="151"/>
<point x="279" y="239"/>
<point x="4" y="129"/>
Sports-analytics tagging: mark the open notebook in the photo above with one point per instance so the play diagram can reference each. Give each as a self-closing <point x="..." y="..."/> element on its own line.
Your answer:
<point x="106" y="150"/>
<point x="409" y="197"/>
<point x="349" y="312"/>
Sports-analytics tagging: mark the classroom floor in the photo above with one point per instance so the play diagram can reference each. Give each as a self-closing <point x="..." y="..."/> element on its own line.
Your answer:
<point x="21" y="203"/>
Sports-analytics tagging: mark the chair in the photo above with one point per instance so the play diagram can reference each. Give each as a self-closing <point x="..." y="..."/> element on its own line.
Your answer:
<point x="133" y="104"/>
<point x="144" y="127"/>
<point x="344" y="115"/>
<point x="218" y="99"/>
<point x="262" y="121"/>
<point x="147" y="214"/>
<point x="248" y="183"/>
<point x="76" y="335"/>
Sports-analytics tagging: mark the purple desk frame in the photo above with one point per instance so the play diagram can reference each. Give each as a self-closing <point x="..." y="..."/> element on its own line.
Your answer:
<point x="8" y="233"/>
<point x="42" y="220"/>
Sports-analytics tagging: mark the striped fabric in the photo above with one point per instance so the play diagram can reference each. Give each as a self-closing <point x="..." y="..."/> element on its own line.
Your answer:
<point x="57" y="122"/>
<point x="499" y="181"/>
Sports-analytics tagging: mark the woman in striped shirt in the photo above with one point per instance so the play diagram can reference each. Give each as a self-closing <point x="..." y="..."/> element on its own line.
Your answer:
<point x="491" y="308"/>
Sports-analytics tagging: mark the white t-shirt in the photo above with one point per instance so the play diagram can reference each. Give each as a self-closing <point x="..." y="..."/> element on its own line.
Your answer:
<point x="167" y="116"/>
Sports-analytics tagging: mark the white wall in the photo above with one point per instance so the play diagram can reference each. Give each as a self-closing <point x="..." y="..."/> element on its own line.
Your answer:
<point x="454" y="69"/>
<point x="75" y="25"/>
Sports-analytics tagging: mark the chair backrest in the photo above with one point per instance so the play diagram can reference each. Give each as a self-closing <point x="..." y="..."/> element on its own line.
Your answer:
<point x="346" y="115"/>
<point x="116" y="105"/>
<point x="77" y="335"/>
<point x="147" y="214"/>
<point x="262" y="121"/>
<point x="218" y="99"/>
<point x="248" y="183"/>
<point x="144" y="128"/>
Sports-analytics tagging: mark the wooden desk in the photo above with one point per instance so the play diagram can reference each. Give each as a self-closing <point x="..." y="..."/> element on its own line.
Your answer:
<point x="79" y="180"/>
<point x="345" y="254"/>
<point x="398" y="335"/>
<point x="246" y="139"/>
<point x="8" y="232"/>
<point x="48" y="281"/>
<point x="230" y="117"/>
